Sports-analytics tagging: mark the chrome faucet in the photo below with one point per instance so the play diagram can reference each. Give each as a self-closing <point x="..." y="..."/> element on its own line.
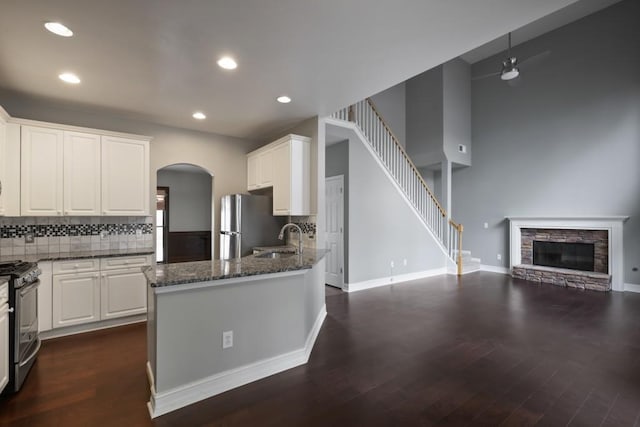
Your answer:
<point x="281" y="235"/>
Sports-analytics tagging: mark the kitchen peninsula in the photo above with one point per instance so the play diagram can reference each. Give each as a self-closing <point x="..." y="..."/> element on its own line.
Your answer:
<point x="216" y="325"/>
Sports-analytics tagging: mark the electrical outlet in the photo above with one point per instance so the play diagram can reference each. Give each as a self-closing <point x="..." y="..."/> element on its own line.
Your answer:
<point x="139" y="233"/>
<point x="486" y="225"/>
<point x="104" y="234"/>
<point x="28" y="238"/>
<point x="404" y="262"/>
<point x="392" y="264"/>
<point x="499" y="257"/>
<point x="227" y="339"/>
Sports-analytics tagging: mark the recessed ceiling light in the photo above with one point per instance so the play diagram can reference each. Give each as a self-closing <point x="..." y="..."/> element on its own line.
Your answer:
<point x="283" y="99"/>
<point x="227" y="63"/>
<point x="69" y="78"/>
<point x="199" y="115"/>
<point x="59" y="29"/>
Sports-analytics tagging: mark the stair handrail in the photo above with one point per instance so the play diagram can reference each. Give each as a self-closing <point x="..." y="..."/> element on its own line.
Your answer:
<point x="406" y="156"/>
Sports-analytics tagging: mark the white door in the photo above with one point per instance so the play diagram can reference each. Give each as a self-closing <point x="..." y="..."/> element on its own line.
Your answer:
<point x="123" y="293"/>
<point x="41" y="171"/>
<point x="334" y="203"/>
<point x="81" y="174"/>
<point x="76" y="299"/>
<point x="4" y="346"/>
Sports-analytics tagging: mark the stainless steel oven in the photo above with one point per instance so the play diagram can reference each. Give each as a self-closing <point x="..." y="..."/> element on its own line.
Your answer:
<point x="24" y="342"/>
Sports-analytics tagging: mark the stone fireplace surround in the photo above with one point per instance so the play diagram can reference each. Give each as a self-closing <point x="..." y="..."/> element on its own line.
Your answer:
<point x="609" y="254"/>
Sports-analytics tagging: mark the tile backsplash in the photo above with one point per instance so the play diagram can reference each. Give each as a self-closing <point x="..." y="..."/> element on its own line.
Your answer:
<point x="308" y="226"/>
<point x="73" y="234"/>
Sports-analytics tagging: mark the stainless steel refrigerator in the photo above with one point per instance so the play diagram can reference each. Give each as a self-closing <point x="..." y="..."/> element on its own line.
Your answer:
<point x="247" y="221"/>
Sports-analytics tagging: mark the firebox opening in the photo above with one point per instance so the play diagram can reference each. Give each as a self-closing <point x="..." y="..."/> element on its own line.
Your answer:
<point x="575" y="256"/>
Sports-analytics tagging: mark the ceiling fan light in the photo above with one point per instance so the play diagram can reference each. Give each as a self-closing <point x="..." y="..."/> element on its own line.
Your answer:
<point x="510" y="74"/>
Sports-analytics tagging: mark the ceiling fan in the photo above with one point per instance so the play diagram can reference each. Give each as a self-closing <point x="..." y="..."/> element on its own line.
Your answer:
<point x="510" y="71"/>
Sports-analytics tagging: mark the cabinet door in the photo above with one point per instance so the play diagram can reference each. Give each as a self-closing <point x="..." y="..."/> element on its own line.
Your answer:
<point x="125" y="177"/>
<point x="45" y="303"/>
<point x="265" y="169"/>
<point x="76" y="299"/>
<point x="123" y="293"/>
<point x="81" y="174"/>
<point x="3" y="161"/>
<point x="4" y="346"/>
<point x="282" y="179"/>
<point x="41" y="171"/>
<point x="252" y="172"/>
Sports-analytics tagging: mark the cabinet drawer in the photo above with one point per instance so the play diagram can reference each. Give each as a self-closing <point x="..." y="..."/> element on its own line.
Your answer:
<point x="76" y="266"/>
<point x="124" y="262"/>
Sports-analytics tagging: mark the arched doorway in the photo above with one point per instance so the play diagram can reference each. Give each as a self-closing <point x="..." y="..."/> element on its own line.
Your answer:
<point x="184" y="214"/>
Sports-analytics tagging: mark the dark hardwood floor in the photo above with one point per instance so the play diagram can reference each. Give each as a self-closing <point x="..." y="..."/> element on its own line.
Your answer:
<point x="480" y="350"/>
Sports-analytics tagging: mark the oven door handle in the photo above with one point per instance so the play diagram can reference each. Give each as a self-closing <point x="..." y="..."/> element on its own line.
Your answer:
<point x="33" y="353"/>
<point x="29" y="287"/>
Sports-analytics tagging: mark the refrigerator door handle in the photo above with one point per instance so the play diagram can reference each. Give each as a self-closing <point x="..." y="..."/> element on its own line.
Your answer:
<point x="230" y="233"/>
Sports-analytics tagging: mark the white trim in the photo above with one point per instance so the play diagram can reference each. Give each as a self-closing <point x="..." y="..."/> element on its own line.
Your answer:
<point x="494" y="269"/>
<point x="631" y="287"/>
<point x="392" y="280"/>
<point x="613" y="224"/>
<point x="363" y="139"/>
<point x="4" y="115"/>
<point x="179" y="397"/>
<point x="91" y="327"/>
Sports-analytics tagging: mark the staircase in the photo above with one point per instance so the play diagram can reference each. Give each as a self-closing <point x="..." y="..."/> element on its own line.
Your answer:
<point x="395" y="159"/>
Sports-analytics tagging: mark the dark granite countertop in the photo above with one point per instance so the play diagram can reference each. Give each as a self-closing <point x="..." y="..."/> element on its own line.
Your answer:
<point x="204" y="271"/>
<point x="280" y="248"/>
<point x="61" y="256"/>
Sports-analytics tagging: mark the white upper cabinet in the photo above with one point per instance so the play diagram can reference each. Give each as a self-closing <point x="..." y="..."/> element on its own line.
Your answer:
<point x="292" y="176"/>
<point x="41" y="172"/>
<point x="260" y="170"/>
<point x="81" y="174"/>
<point x="125" y="176"/>
<point x="285" y="165"/>
<point x="3" y="161"/>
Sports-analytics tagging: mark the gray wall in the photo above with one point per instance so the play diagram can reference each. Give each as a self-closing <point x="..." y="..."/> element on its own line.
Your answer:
<point x="382" y="227"/>
<point x="566" y="142"/>
<point x="222" y="156"/>
<point x="456" y="107"/>
<point x="337" y="163"/>
<point x="424" y="118"/>
<point x="189" y="198"/>
<point x="391" y="104"/>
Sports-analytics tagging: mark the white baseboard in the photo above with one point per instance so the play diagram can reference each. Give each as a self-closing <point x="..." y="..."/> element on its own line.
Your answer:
<point x="494" y="269"/>
<point x="179" y="397"/>
<point x="392" y="280"/>
<point x="630" y="287"/>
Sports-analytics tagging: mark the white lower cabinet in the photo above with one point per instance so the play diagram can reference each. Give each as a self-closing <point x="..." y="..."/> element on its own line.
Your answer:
<point x="76" y="299"/>
<point x="123" y="293"/>
<point x="90" y="290"/>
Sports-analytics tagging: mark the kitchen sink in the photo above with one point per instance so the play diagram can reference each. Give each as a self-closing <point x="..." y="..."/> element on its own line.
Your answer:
<point x="275" y="255"/>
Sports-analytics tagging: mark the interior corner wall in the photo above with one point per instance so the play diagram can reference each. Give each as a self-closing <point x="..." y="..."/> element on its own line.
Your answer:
<point x="564" y="143"/>
<point x="391" y="105"/>
<point x="456" y="110"/>
<point x="382" y="226"/>
<point x="189" y="199"/>
<point x="222" y="156"/>
<point x="424" y="112"/>
<point x="337" y="163"/>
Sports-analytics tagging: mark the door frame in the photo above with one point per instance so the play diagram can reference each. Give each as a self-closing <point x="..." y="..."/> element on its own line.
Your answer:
<point x="339" y="178"/>
<point x="165" y="228"/>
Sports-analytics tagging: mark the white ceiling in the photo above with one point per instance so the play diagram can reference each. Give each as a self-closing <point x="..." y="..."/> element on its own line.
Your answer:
<point x="155" y="60"/>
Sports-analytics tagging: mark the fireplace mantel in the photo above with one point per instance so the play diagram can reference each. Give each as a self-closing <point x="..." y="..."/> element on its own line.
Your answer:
<point x="613" y="224"/>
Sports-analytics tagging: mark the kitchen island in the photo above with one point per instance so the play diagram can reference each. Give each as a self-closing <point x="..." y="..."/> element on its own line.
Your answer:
<point x="216" y="325"/>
